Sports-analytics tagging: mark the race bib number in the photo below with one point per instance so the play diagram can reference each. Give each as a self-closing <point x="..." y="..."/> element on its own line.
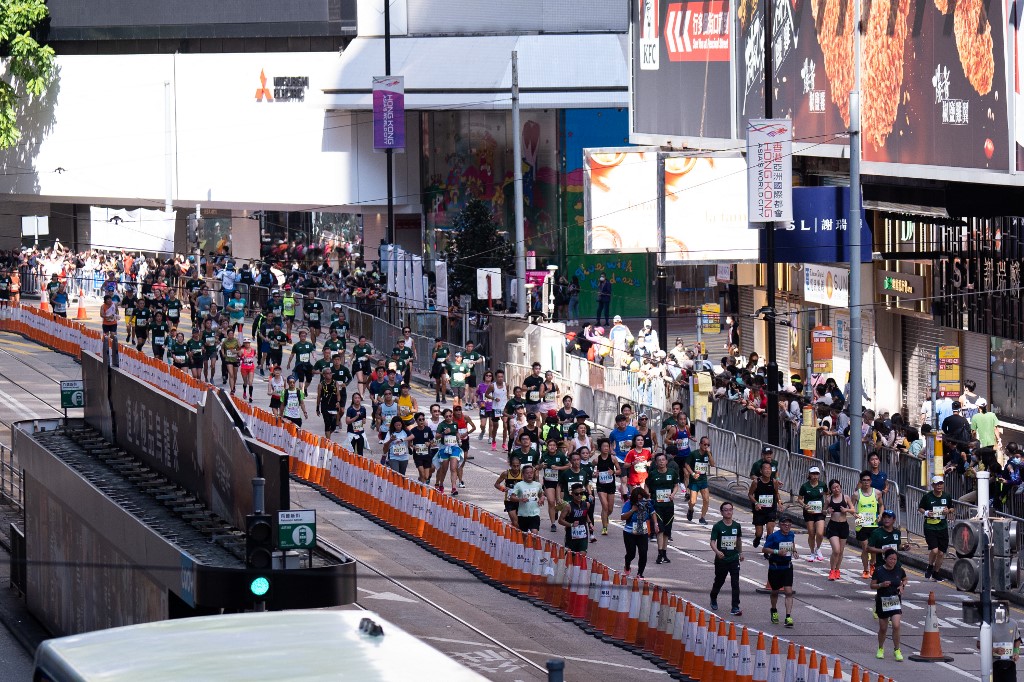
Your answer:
<point x="303" y="357"/>
<point x="60" y="308"/>
<point x="814" y="506"/>
<point x="578" y="533"/>
<point x="785" y="548"/>
<point x="451" y="440"/>
<point x="173" y="313"/>
<point x="358" y="425"/>
<point x="158" y="340"/>
<point x="1002" y="650"/>
<point x="727" y="542"/>
<point x="623" y="447"/>
<point x="458" y="377"/>
<point x="404" y="410"/>
<point x="865" y="519"/>
<point x="179" y="359"/>
<point x="463" y="433"/>
<point x="231" y="354"/>
<point x="534" y="396"/>
<point x="766" y="500"/>
<point x="211" y="341"/>
<point x="701" y="467"/>
<point x="399" y="449"/>
<point x="421" y="448"/>
<point x="890" y="604"/>
<point x="483" y="412"/>
<point x="314" y="317"/>
<point x="550" y="475"/>
<point x="662" y="496"/>
<point x="550" y="396"/>
<point x="510" y="495"/>
<point x="640" y="466"/>
<point x="937" y="514"/>
<point x="887" y="547"/>
<point x="605" y="476"/>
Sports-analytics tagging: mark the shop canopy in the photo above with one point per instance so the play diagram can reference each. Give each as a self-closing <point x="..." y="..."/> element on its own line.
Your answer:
<point x="475" y="72"/>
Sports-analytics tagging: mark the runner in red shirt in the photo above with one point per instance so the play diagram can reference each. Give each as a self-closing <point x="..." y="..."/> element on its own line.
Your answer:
<point x="637" y="461"/>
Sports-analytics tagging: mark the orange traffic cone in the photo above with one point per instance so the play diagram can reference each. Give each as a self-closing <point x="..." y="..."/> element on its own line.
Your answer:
<point x="837" y="673"/>
<point x="44" y="303"/>
<point x="81" y="306"/>
<point x="931" y="645"/>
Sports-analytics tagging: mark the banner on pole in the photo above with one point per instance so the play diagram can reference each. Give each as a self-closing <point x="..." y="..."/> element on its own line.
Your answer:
<point x="389" y="112"/>
<point x="770" y="170"/>
<point x="441" y="286"/>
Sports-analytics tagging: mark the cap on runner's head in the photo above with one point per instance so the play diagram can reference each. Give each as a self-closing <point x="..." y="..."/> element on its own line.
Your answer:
<point x="814" y="470"/>
<point x="552" y="413"/>
<point x="642" y="416"/>
<point x="582" y="415"/>
<point x="337" y="306"/>
<point x="767" y="450"/>
<point x="889" y="512"/>
<point x="956" y="405"/>
<point x="938" y="479"/>
<point x="617" y="318"/>
<point x="531" y="415"/>
<point x="647" y="323"/>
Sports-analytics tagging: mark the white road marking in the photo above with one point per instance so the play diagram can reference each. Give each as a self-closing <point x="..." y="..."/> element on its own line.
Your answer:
<point x="548" y="653"/>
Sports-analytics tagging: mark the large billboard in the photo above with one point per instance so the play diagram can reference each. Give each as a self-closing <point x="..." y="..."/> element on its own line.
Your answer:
<point x="705" y="210"/>
<point x="934" y="82"/>
<point x="620" y="198"/>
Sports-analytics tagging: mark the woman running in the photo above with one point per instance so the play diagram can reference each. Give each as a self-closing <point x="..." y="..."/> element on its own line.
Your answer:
<point x="236" y="310"/>
<point x="160" y="333"/>
<point x="548" y="393"/>
<point x="179" y="352"/>
<point x="275" y="385"/>
<point x="449" y="455"/>
<point x="497" y="394"/>
<point x="581" y="439"/>
<point x="407" y="405"/>
<point x="607" y="467"/>
<point x="575" y="520"/>
<point x="644" y="429"/>
<point x="554" y="462"/>
<point x="486" y="405"/>
<point x="889" y="581"/>
<point x="355" y="418"/>
<point x="812" y="498"/>
<point x="838" y="529"/>
<point x="108" y="313"/>
<point x="637" y="512"/>
<point x="637" y="462"/>
<point x="677" y="441"/>
<point x="396" y="446"/>
<point x="506" y="482"/>
<point x="247" y="367"/>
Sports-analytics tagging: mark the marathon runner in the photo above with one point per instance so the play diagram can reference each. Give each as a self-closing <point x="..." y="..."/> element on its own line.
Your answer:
<point x="276" y="340"/>
<point x="532" y="387"/>
<point x="937" y="508"/>
<point x="384" y="411"/>
<point x="606" y="466"/>
<point x="312" y="312"/>
<point x="579" y="472"/>
<point x="236" y="310"/>
<point x="161" y="333"/>
<point x="210" y="338"/>
<point x="622" y="437"/>
<point x="195" y="353"/>
<point x="575" y="519"/>
<point x="637" y="516"/>
<point x="868" y="504"/>
<point x="439" y="370"/>
<point x="422" y="436"/>
<point x="355" y="419"/>
<point x="837" y="532"/>
<point x="466" y="427"/>
<point x="553" y="462"/>
<point x="179" y="352"/>
<point x="780" y="550"/>
<point x="548" y="393"/>
<point x="635" y="465"/>
<point x="525" y="451"/>
<point x="459" y="370"/>
<point x="474" y="359"/>
<point x="302" y="357"/>
<point x="407" y="405"/>
<point x="231" y="349"/>
<point x="288" y="309"/>
<point x="581" y="438"/>
<point x="527" y="493"/>
<point x="812" y="499"/>
<point x="497" y="393"/>
<point x="663" y="484"/>
<point x="485" y="405"/>
<point x="108" y="314"/>
<point x="361" y="365"/>
<point x="173" y="306"/>
<point x="293" y="407"/>
<point x="329" y="402"/>
<point x="886" y="536"/>
<point x="764" y="496"/>
<point x="506" y="483"/>
<point x="275" y="387"/>
<point x="5" y="287"/>
<point x="407" y="354"/>
<point x="395" y="444"/>
<point x="889" y="580"/>
<point x="448" y="453"/>
<point x="727" y="544"/>
<point x="698" y="466"/>
<point x="247" y="366"/>
<point x="644" y="429"/>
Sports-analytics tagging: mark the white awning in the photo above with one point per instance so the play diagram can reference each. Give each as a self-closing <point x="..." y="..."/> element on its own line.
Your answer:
<point x="475" y="72"/>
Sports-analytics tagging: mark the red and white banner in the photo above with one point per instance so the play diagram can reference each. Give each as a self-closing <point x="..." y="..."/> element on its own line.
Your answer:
<point x="697" y="31"/>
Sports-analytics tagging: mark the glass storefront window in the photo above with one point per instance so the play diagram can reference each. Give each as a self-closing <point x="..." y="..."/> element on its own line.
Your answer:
<point x="1007" y="363"/>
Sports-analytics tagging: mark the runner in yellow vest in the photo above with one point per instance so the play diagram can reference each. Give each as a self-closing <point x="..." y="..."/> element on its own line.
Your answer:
<point x="868" y="502"/>
<point x="288" y="308"/>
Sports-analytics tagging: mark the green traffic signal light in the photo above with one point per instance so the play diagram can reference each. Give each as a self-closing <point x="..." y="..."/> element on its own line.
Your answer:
<point x="259" y="586"/>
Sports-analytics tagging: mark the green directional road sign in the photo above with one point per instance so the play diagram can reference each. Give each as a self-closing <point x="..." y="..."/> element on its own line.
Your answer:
<point x="296" y="529"/>
<point x="72" y="394"/>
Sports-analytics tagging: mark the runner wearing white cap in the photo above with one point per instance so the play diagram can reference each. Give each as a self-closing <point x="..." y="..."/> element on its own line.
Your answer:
<point x="812" y="499"/>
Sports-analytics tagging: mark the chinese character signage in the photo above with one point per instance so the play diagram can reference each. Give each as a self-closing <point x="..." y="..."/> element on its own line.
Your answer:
<point x="711" y="318"/>
<point x="817" y="233"/>
<point x="949" y="372"/>
<point x="827" y="286"/>
<point x="821" y="349"/>
<point x="770" y="170"/>
<point x="899" y="284"/>
<point x="389" y="112"/>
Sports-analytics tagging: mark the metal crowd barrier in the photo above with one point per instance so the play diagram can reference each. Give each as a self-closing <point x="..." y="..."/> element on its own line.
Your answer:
<point x="11" y="483"/>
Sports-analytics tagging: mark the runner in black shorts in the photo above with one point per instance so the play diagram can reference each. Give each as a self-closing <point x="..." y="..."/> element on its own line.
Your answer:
<point x="764" y="496"/>
<point x="837" y="506"/>
<point x="506" y="482"/>
<point x="422" y="437"/>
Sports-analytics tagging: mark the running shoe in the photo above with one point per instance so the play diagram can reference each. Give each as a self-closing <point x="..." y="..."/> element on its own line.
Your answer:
<point x="604" y="530"/>
<point x="553" y="528"/>
<point x="775" y="617"/>
<point x="593" y="538"/>
<point x="810" y="558"/>
<point x="818" y="556"/>
<point x="789" y="621"/>
<point x="865" y="574"/>
<point x="439" y="487"/>
<point x="736" y="611"/>
<point x="831" y="575"/>
<point x="757" y="542"/>
<point x="703" y="521"/>
<point x="928" y="572"/>
<point x="262" y="373"/>
<point x="898" y="655"/>
<point x="689" y="514"/>
<point x="250" y="400"/>
<point x="455" y="493"/>
<point x="626" y="571"/>
<point x="936" y="577"/>
<point x="665" y="559"/>
<point x="461" y="484"/>
<point x="714" y="605"/>
<point x="659" y="560"/>
<point x="880" y="654"/>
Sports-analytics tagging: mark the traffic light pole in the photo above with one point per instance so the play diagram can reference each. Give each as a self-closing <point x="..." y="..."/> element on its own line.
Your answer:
<point x="985" y="636"/>
<point x="772" y="408"/>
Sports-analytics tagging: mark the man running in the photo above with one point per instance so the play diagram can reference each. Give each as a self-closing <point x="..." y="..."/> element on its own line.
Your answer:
<point x="329" y="402"/>
<point x="727" y="544"/>
<point x="937" y="507"/>
<point x="886" y="537"/>
<point x="889" y="580"/>
<point x="867" y="502"/>
<point x="780" y="549"/>
<point x="302" y="357"/>
<point x="663" y="484"/>
<point x="764" y="496"/>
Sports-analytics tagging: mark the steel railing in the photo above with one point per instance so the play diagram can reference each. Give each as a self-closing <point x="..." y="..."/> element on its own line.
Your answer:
<point x="12" y="490"/>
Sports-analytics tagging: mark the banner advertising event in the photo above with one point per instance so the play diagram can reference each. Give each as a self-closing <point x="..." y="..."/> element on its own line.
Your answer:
<point x="620" y="188"/>
<point x="770" y="170"/>
<point x="389" y="112"/>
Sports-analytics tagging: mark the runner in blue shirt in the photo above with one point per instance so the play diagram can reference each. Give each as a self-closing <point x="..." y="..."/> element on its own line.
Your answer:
<point x="779" y="549"/>
<point x="622" y="437"/>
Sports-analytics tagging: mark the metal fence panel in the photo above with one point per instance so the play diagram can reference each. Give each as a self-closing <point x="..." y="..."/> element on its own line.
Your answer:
<point x="798" y="466"/>
<point x="725" y="450"/>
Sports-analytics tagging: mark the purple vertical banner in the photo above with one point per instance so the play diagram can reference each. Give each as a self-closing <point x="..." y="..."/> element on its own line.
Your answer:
<point x="389" y="112"/>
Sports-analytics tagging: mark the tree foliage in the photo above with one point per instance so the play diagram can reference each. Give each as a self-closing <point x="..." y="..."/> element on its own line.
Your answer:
<point x="30" y="65"/>
<point x="476" y="243"/>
